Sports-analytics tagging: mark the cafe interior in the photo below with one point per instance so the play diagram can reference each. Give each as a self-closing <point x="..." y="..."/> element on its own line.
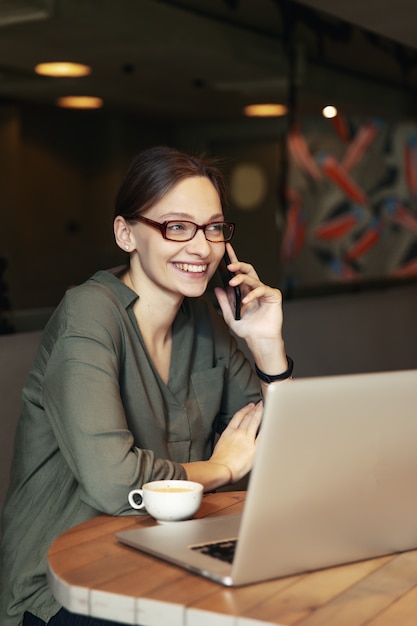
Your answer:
<point x="311" y="107"/>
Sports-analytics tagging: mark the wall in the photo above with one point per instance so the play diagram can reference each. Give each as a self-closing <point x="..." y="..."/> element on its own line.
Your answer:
<point x="59" y="174"/>
<point x="353" y="333"/>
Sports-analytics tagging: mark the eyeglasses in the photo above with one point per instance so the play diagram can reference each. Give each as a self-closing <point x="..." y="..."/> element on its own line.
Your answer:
<point x="182" y="230"/>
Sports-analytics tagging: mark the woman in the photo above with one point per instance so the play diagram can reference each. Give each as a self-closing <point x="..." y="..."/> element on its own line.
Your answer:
<point x="136" y="374"/>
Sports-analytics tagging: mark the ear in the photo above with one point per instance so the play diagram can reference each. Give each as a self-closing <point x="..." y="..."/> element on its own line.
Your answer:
<point x="123" y="234"/>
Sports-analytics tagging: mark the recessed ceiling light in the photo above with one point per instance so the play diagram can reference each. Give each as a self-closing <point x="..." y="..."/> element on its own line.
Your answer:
<point x="329" y="111"/>
<point x="63" y="69"/>
<point x="265" y="110"/>
<point x="80" y="102"/>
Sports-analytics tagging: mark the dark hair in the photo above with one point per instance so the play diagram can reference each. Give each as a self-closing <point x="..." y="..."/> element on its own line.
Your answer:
<point x="154" y="172"/>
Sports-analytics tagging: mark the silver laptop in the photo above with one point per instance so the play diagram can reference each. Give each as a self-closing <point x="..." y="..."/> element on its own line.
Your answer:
<point x="334" y="481"/>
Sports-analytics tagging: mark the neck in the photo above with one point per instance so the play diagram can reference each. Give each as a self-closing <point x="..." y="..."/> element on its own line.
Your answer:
<point x="155" y="310"/>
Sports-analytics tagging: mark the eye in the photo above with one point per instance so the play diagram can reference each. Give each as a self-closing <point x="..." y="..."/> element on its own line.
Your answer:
<point x="215" y="229"/>
<point x="177" y="226"/>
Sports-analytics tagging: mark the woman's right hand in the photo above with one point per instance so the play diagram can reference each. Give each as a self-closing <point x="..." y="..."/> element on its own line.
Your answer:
<point x="236" y="447"/>
<point x="233" y="455"/>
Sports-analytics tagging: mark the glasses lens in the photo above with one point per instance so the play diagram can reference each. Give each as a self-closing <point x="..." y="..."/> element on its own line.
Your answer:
<point x="219" y="231"/>
<point x="180" y="231"/>
<point x="184" y="231"/>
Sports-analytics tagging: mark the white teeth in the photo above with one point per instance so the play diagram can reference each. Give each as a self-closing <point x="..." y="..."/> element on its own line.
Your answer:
<point x="186" y="267"/>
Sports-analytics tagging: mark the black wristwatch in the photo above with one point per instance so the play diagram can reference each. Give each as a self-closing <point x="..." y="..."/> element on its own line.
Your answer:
<point x="270" y="378"/>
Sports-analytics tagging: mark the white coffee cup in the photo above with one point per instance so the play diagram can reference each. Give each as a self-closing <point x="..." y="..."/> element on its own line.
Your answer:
<point x="168" y="500"/>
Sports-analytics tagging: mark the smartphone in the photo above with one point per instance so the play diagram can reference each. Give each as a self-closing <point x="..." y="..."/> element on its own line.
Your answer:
<point x="234" y="294"/>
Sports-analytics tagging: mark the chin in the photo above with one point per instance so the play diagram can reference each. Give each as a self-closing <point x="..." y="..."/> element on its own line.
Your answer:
<point x="194" y="292"/>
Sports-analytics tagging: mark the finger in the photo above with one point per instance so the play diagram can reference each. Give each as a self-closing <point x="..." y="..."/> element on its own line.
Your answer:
<point x="248" y="418"/>
<point x="244" y="269"/>
<point x="249" y="280"/>
<point x="253" y="418"/>
<point x="232" y="254"/>
<point x="247" y="284"/>
<point x="239" y="266"/>
<point x="239" y="417"/>
<point x="264" y="293"/>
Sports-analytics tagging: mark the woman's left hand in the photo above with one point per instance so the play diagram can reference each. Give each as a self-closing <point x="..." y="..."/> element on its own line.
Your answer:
<point x="261" y="311"/>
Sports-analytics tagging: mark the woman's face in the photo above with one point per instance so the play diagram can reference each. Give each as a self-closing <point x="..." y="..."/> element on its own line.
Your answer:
<point x="182" y="268"/>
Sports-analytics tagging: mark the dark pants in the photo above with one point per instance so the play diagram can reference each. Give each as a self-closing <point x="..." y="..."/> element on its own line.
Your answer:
<point x="64" y="618"/>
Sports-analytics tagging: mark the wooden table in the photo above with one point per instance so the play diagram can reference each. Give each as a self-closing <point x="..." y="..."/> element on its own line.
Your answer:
<point x="92" y="574"/>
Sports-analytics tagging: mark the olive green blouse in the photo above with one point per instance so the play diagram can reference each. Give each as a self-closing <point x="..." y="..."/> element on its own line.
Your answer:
<point x="97" y="421"/>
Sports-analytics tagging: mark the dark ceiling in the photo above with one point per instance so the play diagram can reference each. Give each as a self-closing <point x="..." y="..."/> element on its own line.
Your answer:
<point x="206" y="59"/>
<point x="395" y="20"/>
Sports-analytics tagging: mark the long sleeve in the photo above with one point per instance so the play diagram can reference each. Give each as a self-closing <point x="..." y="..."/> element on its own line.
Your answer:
<point x="97" y="420"/>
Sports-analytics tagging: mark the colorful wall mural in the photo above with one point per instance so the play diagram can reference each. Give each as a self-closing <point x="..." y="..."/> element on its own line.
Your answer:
<point x="351" y="202"/>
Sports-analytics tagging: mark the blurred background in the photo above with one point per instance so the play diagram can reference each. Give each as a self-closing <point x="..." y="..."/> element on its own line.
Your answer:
<point x="322" y="204"/>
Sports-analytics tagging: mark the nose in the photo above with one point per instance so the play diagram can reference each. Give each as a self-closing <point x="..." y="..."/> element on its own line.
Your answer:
<point x="199" y="243"/>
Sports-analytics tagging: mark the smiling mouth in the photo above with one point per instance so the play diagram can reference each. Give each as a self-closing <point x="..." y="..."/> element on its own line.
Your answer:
<point x="193" y="269"/>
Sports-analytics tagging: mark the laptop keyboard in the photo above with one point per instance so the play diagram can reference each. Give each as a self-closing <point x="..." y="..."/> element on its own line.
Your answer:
<point x="223" y="550"/>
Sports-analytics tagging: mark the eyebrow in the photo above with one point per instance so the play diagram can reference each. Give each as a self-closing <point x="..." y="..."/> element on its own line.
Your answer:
<point x="185" y="216"/>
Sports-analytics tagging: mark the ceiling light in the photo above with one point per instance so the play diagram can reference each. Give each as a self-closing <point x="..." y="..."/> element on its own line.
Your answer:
<point x="80" y="102"/>
<point x="265" y="110"/>
<point x="63" y="69"/>
<point x="329" y="112"/>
